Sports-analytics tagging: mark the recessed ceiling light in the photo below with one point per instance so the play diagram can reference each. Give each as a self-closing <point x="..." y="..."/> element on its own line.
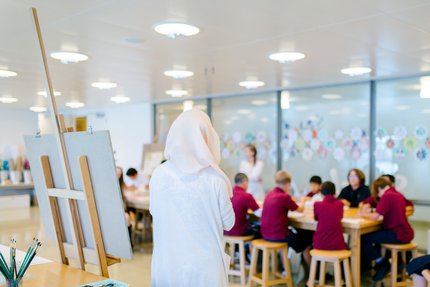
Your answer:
<point x="402" y="107"/>
<point x="75" y="105"/>
<point x="45" y="94"/>
<point x="176" y="29"/>
<point x="188" y="105"/>
<point x="69" y="57"/>
<point x="251" y="84"/>
<point x="264" y="120"/>
<point x="356" y="71"/>
<point x="178" y="74"/>
<point x="331" y="96"/>
<point x="426" y="111"/>
<point x="176" y="93"/>
<point x="8" y="100"/>
<point x="259" y="102"/>
<point x="7" y="74"/>
<point x="286" y="57"/>
<point x="104" y="85"/>
<point x="38" y="109"/>
<point x="120" y="99"/>
<point x="243" y="112"/>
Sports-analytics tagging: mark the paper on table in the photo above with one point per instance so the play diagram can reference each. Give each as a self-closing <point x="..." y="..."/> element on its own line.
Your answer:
<point x="295" y="214"/>
<point x="352" y="220"/>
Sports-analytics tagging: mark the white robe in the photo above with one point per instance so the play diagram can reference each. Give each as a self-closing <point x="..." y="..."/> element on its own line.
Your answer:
<point x="189" y="213"/>
<point x="254" y="173"/>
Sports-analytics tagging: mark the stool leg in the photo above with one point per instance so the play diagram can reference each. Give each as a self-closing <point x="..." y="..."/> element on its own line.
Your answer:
<point x="265" y="275"/>
<point x="403" y="254"/>
<point x="242" y="268"/>
<point x="347" y="271"/>
<point x="253" y="267"/>
<point x="274" y="262"/>
<point x="322" y="273"/>
<point x="313" y="272"/>
<point x="337" y="274"/>
<point x="394" y="262"/>
<point x="287" y="266"/>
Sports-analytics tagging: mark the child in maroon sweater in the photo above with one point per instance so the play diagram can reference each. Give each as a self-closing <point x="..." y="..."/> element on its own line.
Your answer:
<point x="314" y="186"/>
<point x="329" y="214"/>
<point x="397" y="229"/>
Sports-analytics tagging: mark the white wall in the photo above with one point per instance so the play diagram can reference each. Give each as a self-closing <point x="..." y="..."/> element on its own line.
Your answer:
<point x="130" y="128"/>
<point x="14" y="124"/>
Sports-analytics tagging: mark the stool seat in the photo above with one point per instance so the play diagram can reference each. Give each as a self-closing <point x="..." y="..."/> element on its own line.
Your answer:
<point x="238" y="238"/>
<point x="331" y="254"/>
<point x="401" y="247"/>
<point x="261" y="243"/>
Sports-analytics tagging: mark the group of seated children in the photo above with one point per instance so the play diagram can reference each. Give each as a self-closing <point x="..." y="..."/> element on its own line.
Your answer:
<point x="385" y="201"/>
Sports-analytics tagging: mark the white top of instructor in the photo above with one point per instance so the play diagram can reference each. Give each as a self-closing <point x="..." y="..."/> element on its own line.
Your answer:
<point x="190" y="205"/>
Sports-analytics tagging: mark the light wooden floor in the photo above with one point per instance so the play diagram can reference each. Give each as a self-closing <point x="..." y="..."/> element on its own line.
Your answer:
<point x="24" y="224"/>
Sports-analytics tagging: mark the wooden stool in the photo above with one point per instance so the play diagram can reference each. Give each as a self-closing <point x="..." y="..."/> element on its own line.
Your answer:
<point x="270" y="249"/>
<point x="395" y="250"/>
<point x="240" y="242"/>
<point x="335" y="257"/>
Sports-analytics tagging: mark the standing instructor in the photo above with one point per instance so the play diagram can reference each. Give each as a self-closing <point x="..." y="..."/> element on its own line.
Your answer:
<point x="191" y="207"/>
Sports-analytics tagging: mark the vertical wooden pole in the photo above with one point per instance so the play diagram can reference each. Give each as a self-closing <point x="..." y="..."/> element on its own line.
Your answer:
<point x="49" y="183"/>
<point x="58" y="132"/>
<point x="94" y="217"/>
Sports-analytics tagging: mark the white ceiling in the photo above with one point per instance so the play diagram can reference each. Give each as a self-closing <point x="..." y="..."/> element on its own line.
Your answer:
<point x="390" y="36"/>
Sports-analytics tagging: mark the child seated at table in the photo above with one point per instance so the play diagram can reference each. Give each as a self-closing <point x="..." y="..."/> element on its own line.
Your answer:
<point x="274" y="220"/>
<point x="415" y="269"/>
<point x="329" y="214"/>
<point x="243" y="201"/>
<point x="397" y="229"/>
<point x="314" y="186"/>
<point x="373" y="199"/>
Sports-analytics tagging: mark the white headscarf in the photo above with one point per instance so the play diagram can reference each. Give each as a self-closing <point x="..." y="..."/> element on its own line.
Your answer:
<point x="193" y="144"/>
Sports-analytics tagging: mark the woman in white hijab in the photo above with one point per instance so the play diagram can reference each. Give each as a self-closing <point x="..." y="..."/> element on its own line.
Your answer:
<point x="190" y="204"/>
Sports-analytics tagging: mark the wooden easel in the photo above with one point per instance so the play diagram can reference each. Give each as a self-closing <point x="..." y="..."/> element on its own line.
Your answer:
<point x="75" y="250"/>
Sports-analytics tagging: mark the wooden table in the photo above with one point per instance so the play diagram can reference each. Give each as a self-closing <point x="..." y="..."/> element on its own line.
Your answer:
<point x="353" y="225"/>
<point x="58" y="275"/>
<point x="140" y="202"/>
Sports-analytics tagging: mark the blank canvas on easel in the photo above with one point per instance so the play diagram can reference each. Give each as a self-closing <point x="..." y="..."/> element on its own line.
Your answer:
<point x="97" y="148"/>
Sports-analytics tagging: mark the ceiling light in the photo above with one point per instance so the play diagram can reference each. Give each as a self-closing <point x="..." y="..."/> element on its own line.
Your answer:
<point x="7" y="74"/>
<point x="178" y="74"/>
<point x="251" y="84"/>
<point x="38" y="109"/>
<point x="188" y="105"/>
<point x="176" y="29"/>
<point x="243" y="112"/>
<point x="45" y="94"/>
<point x="426" y="111"/>
<point x="356" y="71"/>
<point x="286" y="57"/>
<point x="120" y="99"/>
<point x="259" y="102"/>
<point x="425" y="88"/>
<point x="176" y="93"/>
<point x="331" y="96"/>
<point x="8" y="100"/>
<point x="75" y="105"/>
<point x="104" y="85"/>
<point x="69" y="57"/>
<point x="285" y="100"/>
